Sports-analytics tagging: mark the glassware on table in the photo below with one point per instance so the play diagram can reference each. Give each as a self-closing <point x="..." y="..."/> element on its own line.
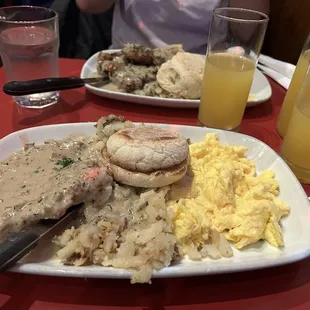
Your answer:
<point x="294" y="89"/>
<point x="295" y="149"/>
<point x="29" y="44"/>
<point x="235" y="40"/>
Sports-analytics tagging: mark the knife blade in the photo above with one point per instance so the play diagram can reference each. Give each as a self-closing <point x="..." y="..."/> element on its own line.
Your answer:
<point x="18" y="244"/>
<point x="23" y="88"/>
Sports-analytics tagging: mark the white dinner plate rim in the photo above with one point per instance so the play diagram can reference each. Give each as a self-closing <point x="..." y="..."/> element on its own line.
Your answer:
<point x="156" y="101"/>
<point x="93" y="272"/>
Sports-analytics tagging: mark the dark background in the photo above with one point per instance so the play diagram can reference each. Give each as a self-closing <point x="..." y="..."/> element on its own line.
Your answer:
<point x="288" y="29"/>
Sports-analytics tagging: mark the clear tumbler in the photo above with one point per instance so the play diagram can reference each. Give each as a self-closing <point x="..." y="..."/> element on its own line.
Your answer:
<point x="29" y="44"/>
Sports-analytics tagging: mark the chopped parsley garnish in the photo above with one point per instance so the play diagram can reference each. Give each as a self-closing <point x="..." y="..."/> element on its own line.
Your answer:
<point x="138" y="47"/>
<point x="65" y="162"/>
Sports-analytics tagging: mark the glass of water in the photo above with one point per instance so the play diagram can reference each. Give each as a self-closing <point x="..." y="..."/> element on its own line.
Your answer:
<point x="29" y="44"/>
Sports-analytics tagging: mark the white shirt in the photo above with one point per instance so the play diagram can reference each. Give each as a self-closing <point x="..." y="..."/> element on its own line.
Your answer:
<point x="156" y="23"/>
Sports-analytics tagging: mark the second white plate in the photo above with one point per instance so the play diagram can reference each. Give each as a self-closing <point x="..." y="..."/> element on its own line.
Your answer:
<point x="260" y="90"/>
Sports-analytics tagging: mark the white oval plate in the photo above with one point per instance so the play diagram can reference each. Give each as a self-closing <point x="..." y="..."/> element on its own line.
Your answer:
<point x="260" y="91"/>
<point x="296" y="227"/>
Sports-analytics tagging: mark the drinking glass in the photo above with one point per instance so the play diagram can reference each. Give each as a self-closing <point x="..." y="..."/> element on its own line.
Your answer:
<point x="29" y="43"/>
<point x="295" y="148"/>
<point x="235" y="40"/>
<point x="294" y="89"/>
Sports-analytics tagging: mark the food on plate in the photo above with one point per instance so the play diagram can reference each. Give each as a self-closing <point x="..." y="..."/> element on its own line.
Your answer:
<point x="138" y="54"/>
<point x="109" y="62"/>
<point x="141" y="55"/>
<point x="165" y="72"/>
<point x="42" y="182"/>
<point x="123" y="72"/>
<point x="146" y="156"/>
<point x="182" y="75"/>
<point x="152" y="89"/>
<point x="131" y="77"/>
<point x="148" y="198"/>
<point x="134" y="228"/>
<point x="224" y="193"/>
<point x="163" y="54"/>
<point x="132" y="231"/>
<point x="252" y="97"/>
<point x="109" y="125"/>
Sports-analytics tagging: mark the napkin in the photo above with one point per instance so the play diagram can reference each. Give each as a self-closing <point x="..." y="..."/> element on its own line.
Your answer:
<point x="278" y="77"/>
<point x="280" y="71"/>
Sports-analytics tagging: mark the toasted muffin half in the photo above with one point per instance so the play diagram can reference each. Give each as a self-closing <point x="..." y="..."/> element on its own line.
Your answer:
<point x="147" y="156"/>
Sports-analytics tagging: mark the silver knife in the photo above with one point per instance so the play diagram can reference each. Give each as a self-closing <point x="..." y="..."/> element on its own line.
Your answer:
<point x="18" y="244"/>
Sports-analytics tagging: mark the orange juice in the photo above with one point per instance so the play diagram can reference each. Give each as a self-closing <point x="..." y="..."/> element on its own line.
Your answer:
<point x="292" y="93"/>
<point x="296" y="144"/>
<point x="225" y="90"/>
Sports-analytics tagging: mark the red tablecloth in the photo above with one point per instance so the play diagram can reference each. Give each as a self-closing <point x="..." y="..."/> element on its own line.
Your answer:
<point x="286" y="287"/>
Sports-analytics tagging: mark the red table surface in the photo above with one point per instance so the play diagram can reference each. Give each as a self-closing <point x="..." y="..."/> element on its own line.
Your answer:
<point x="285" y="287"/>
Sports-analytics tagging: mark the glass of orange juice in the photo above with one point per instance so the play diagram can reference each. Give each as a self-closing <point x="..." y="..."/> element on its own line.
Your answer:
<point x="294" y="89"/>
<point x="295" y="149"/>
<point x="235" y="40"/>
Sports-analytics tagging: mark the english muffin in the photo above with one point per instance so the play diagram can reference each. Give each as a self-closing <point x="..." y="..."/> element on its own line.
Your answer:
<point x="147" y="156"/>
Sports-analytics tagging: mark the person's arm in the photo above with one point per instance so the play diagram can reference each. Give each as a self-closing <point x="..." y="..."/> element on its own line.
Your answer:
<point x="257" y="5"/>
<point x="94" y="6"/>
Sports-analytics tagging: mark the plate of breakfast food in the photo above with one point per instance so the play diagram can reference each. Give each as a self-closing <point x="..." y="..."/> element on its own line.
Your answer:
<point x="167" y="77"/>
<point x="155" y="200"/>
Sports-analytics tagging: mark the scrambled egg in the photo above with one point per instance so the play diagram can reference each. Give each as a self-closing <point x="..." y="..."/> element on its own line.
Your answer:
<point x="251" y="97"/>
<point x="224" y="193"/>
